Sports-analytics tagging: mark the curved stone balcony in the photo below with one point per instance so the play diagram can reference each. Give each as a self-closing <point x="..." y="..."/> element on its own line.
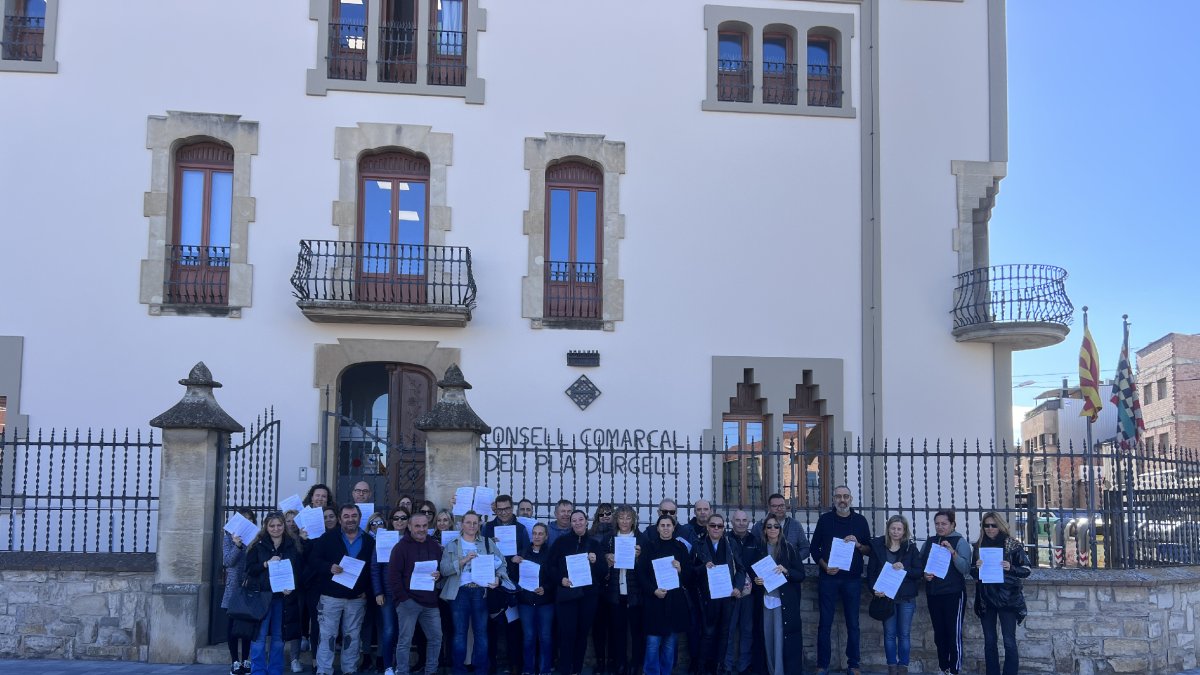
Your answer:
<point x="1021" y="306"/>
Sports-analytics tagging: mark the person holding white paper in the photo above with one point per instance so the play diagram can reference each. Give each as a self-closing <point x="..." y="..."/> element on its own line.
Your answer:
<point x="510" y="538"/>
<point x="388" y="533"/>
<point x="414" y="601"/>
<point x="575" y="607"/>
<point x="1005" y="600"/>
<point x="665" y="612"/>
<point x="715" y="551"/>
<point x="468" y="600"/>
<point x="837" y="585"/>
<point x="339" y="607"/>
<point x="233" y="558"/>
<point x="781" y="606"/>
<point x="947" y="597"/>
<point x="536" y="605"/>
<point x="282" y="622"/>
<point x="896" y="550"/>
<point x="623" y="592"/>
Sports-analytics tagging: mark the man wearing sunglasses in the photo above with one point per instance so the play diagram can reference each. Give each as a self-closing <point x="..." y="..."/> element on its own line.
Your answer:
<point x="713" y="550"/>
<point x="514" y="637"/>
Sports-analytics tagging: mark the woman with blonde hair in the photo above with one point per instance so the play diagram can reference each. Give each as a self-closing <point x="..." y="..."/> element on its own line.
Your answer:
<point x="896" y="548"/>
<point x="1003" y="600"/>
<point x="282" y="623"/>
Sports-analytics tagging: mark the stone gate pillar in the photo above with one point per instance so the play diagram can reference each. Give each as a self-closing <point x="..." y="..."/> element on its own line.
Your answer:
<point x="183" y="575"/>
<point x="452" y="433"/>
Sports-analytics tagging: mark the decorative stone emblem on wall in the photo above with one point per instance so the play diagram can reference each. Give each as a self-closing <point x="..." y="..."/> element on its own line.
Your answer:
<point x="583" y="392"/>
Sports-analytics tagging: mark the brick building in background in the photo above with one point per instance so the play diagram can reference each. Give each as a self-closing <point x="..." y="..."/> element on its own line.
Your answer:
<point x="1168" y="372"/>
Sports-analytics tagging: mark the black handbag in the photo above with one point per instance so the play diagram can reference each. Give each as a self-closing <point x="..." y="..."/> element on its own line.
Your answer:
<point x="249" y="603"/>
<point x="882" y="608"/>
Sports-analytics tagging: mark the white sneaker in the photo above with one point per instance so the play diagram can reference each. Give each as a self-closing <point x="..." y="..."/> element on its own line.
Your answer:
<point x="389" y="671"/>
<point x="296" y="667"/>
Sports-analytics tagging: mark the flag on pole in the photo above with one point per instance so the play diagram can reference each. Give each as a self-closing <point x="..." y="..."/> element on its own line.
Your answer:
<point x="1125" y="396"/>
<point x="1089" y="377"/>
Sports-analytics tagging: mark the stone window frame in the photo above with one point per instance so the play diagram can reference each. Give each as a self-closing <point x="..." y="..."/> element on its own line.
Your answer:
<point x="837" y="25"/>
<point x="48" y="64"/>
<point x="609" y="157"/>
<point x="351" y="143"/>
<point x="164" y="136"/>
<point x="318" y="82"/>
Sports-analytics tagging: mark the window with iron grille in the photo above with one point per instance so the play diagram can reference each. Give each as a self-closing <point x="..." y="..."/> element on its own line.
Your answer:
<point x="27" y="35"/>
<point x="198" y="255"/>
<point x="573" y="241"/>
<point x="373" y="45"/>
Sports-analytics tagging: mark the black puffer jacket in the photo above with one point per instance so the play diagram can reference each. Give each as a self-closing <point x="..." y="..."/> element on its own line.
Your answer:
<point x="1009" y="595"/>
<point x="256" y="558"/>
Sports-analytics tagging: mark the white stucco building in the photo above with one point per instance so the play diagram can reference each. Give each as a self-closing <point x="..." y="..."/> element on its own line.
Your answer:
<point x="777" y="194"/>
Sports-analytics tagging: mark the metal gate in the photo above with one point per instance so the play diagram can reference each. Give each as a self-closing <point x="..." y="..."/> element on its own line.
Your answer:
<point x="393" y="469"/>
<point x="247" y="477"/>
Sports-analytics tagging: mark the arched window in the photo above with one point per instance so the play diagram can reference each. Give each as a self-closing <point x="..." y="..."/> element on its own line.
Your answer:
<point x="779" y="66"/>
<point x="393" y="205"/>
<point x="203" y="210"/>
<point x="744" y="442"/>
<point x="824" y="72"/>
<point x="804" y="461"/>
<point x="735" y="77"/>
<point x="574" y="241"/>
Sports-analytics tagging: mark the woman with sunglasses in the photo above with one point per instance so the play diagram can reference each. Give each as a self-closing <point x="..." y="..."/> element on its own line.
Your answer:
<point x="601" y="530"/>
<point x="664" y="611"/>
<point x="1004" y="600"/>
<point x="623" y="596"/>
<point x="397" y="520"/>
<point x="896" y="548"/>
<point x="282" y="622"/>
<point x="781" y="607"/>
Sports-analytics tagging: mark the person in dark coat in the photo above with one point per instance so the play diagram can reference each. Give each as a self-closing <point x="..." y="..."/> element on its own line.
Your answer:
<point x="781" y="606"/>
<point x="274" y="544"/>
<point x="665" y="614"/>
<point x="601" y="530"/>
<point x="1004" y="601"/>
<point x="839" y="586"/>
<point x="624" y="597"/>
<point x="896" y="548"/>
<point x="339" y="606"/>
<point x="536" y="606"/>
<point x="241" y="633"/>
<point x="712" y="550"/>
<point x="575" y="608"/>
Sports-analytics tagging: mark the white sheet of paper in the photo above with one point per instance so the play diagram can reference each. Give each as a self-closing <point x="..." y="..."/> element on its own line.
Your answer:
<point x="939" y="561"/>
<point x="720" y="584"/>
<point x="530" y="577"/>
<point x="483" y="569"/>
<point x="385" y="541"/>
<point x="665" y="574"/>
<point x="624" y="552"/>
<point x="511" y="614"/>
<point x="772" y="578"/>
<point x="281" y="575"/>
<point x="771" y="602"/>
<point x="241" y="526"/>
<point x="293" y="503"/>
<point x="367" y="511"/>
<point x="422" y="576"/>
<point x="312" y="521"/>
<point x="463" y="500"/>
<point x="579" y="570"/>
<point x="484" y="496"/>
<point x="351" y="568"/>
<point x="889" y="581"/>
<point x="507" y="536"/>
<point x="448" y="536"/>
<point x="992" y="572"/>
<point x="841" y="554"/>
<point x="528" y="523"/>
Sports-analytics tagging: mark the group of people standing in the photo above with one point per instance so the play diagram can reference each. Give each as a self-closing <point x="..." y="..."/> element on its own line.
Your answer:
<point x="426" y="599"/>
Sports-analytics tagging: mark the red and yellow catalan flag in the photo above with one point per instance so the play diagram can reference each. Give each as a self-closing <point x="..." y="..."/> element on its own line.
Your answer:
<point x="1089" y="377"/>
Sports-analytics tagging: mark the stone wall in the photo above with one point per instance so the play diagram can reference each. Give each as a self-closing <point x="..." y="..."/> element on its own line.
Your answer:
<point x="75" y="605"/>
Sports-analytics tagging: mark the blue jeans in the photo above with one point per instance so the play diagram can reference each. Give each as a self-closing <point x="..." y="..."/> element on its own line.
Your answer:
<point x="897" y="639"/>
<point x="470" y="609"/>
<point x="537" y="624"/>
<point x="991" y="650"/>
<point x="660" y="654"/>
<point x="271" y="626"/>
<point x="829" y="590"/>
<point x="387" y="630"/>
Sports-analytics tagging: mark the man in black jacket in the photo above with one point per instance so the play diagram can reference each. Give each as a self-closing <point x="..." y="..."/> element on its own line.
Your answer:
<point x="745" y="636"/>
<point x="715" y="550"/>
<point x="513" y="637"/>
<point x="834" y="584"/>
<point x="340" y="605"/>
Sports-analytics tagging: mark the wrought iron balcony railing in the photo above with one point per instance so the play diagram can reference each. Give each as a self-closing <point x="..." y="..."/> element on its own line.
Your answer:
<point x="573" y="290"/>
<point x="347" y="51"/>
<point x="382" y="275"/>
<point x="779" y="83"/>
<point x="735" y="80"/>
<point x="197" y="275"/>
<point x="22" y="38"/>
<point x="825" y="86"/>
<point x="398" y="52"/>
<point x="1012" y="294"/>
<point x="447" y="58"/>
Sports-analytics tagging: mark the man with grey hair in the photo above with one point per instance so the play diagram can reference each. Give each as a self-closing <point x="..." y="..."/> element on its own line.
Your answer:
<point x="745" y="646"/>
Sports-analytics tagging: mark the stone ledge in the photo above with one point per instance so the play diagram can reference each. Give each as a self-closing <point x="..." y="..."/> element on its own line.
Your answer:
<point x="88" y="562"/>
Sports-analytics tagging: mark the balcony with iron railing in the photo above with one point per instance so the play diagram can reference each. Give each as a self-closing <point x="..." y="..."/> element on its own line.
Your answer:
<point x="1021" y="306"/>
<point x="380" y="283"/>
<point x="779" y="83"/>
<point x="735" y="80"/>
<point x="398" y="52"/>
<point x="197" y="277"/>
<point x="447" y="58"/>
<point x="347" y="56"/>
<point x="573" y="296"/>
<point x="825" y="86"/>
<point x="22" y="38"/>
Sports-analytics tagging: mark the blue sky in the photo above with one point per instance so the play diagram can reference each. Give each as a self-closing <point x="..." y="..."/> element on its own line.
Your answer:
<point x="1104" y="164"/>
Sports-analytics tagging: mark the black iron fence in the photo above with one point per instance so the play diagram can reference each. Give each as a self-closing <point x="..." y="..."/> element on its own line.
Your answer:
<point x="79" y="491"/>
<point x="22" y="38"/>
<point x="385" y="274"/>
<point x="825" y="86"/>
<point x="197" y="275"/>
<point x="1137" y="519"/>
<point x="1012" y="294"/>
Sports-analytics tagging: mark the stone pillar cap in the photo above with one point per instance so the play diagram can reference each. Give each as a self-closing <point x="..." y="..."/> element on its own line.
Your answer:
<point x="198" y="409"/>
<point x="452" y="412"/>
